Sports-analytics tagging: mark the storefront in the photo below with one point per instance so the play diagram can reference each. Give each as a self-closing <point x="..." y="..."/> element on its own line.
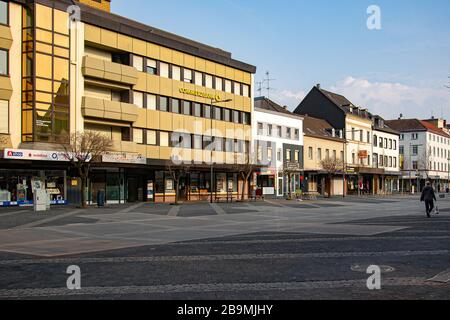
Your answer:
<point x="266" y="182"/>
<point x="21" y="170"/>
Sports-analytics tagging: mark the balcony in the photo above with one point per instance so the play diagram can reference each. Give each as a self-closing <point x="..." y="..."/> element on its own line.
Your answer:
<point x="109" y="110"/>
<point x="124" y="146"/>
<point x="109" y="71"/>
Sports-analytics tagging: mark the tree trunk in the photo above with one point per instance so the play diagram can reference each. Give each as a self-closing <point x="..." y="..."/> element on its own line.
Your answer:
<point x="83" y="191"/>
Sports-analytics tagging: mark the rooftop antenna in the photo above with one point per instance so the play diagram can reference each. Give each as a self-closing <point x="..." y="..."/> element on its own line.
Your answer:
<point x="259" y="84"/>
<point x="268" y="80"/>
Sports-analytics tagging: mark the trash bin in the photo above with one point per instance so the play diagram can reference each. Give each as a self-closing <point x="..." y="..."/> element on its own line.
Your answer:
<point x="101" y="198"/>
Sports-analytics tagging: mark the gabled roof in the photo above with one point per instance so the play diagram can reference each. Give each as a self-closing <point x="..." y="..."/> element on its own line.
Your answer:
<point x="267" y="104"/>
<point x="318" y="128"/>
<point x="344" y="104"/>
<point x="383" y="127"/>
<point x="415" y="125"/>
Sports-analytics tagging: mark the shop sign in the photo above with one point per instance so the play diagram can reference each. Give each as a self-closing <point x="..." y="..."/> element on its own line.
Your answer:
<point x="199" y="94"/>
<point x="268" y="191"/>
<point x="363" y="154"/>
<point x="38" y="155"/>
<point x="292" y="166"/>
<point x="124" y="158"/>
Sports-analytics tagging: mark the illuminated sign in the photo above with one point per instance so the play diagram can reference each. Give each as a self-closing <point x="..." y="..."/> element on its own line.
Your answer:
<point x="200" y="94"/>
<point x="39" y="155"/>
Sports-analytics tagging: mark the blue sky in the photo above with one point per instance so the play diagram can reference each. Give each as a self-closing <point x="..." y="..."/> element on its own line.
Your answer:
<point x="401" y="68"/>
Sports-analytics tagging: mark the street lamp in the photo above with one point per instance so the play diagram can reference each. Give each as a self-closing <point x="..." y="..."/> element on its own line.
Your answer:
<point x="213" y="102"/>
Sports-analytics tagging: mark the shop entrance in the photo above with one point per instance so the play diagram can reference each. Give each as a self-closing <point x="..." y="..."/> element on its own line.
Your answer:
<point x="132" y="189"/>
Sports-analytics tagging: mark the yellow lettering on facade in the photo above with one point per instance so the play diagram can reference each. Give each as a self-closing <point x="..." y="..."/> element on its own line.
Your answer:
<point x="200" y="94"/>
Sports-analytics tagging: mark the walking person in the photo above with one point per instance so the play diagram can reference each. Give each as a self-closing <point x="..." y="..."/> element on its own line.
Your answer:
<point x="429" y="197"/>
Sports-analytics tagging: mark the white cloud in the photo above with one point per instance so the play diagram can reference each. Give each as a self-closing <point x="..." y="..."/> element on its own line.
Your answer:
<point x="289" y="98"/>
<point x="389" y="99"/>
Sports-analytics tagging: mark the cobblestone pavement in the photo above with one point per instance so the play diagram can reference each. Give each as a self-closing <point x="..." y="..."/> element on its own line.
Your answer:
<point x="263" y="250"/>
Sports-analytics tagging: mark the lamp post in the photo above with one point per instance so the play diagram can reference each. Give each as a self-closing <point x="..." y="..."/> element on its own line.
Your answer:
<point x="213" y="102"/>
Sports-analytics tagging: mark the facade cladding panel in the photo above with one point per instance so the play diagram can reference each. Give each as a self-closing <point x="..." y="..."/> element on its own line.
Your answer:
<point x="152" y="93"/>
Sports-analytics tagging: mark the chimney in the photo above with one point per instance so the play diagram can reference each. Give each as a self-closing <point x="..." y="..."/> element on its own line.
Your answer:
<point x="318" y="86"/>
<point x="104" y="5"/>
<point x="401" y="116"/>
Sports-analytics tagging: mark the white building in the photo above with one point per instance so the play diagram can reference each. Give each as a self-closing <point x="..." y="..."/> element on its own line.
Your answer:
<point x="386" y="156"/>
<point x="425" y="154"/>
<point x="278" y="143"/>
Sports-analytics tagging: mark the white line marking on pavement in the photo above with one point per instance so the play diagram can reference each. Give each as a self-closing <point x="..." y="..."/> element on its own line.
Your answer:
<point x="129" y="209"/>
<point x="217" y="209"/>
<point x="209" y="287"/>
<point x="44" y="221"/>
<point x="222" y="257"/>
<point x="174" y="211"/>
<point x="443" y="277"/>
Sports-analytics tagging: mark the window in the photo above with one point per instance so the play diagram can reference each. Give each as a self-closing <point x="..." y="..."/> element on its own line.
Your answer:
<point x="197" y="110"/>
<point x="207" y="141"/>
<point x="207" y="111"/>
<point x="415" y="136"/>
<point x="279" y="131"/>
<point x="288" y="133"/>
<point x="245" y="118"/>
<point x="279" y="155"/>
<point x="415" y="165"/>
<point x="4" y="63"/>
<point x="395" y="144"/>
<point x="296" y="155"/>
<point x="138" y="63"/>
<point x="228" y="86"/>
<point x="402" y="150"/>
<point x="4" y="19"/>
<point x="198" y="142"/>
<point x="151" y="137"/>
<point x="187" y="108"/>
<point x="327" y="154"/>
<point x="217" y="113"/>
<point x="163" y="104"/>
<point x="361" y="136"/>
<point x="187" y="75"/>
<point x="310" y="153"/>
<point x="176" y="73"/>
<point x="381" y="161"/>
<point x="245" y="90"/>
<point x="269" y="154"/>
<point x="269" y="130"/>
<point x="415" y="150"/>
<point x="151" y="102"/>
<point x="319" y="154"/>
<point x="236" y="116"/>
<point x="138" y="136"/>
<point x="260" y="129"/>
<point x="4" y="116"/>
<point x="208" y="81"/>
<point x="288" y="155"/>
<point x="164" y="139"/>
<point x="175" y="106"/>
<point x="342" y="155"/>
<point x="218" y="144"/>
<point x="402" y="137"/>
<point x="226" y="115"/>
<point x="385" y="143"/>
<point x="375" y="141"/>
<point x="164" y="70"/>
<point x="353" y="133"/>
<point x="151" y="67"/>
<point x="237" y="88"/>
<point x="368" y="136"/>
<point x="138" y="99"/>
<point x="297" y="134"/>
<point x="198" y="78"/>
<point x="219" y="84"/>
<point x="381" y="143"/>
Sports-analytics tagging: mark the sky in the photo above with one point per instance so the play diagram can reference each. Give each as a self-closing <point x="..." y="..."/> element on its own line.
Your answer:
<point x="401" y="68"/>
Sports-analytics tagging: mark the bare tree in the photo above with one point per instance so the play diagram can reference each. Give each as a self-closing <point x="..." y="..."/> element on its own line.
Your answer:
<point x="176" y="171"/>
<point x="83" y="149"/>
<point x="289" y="171"/>
<point x="332" y="166"/>
<point x="245" y="166"/>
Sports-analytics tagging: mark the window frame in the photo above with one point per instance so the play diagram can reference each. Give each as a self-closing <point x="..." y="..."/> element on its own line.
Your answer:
<point x="7" y="118"/>
<point x="7" y="15"/>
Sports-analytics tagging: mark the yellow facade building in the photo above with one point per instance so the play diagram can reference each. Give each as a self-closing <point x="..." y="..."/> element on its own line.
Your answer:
<point x="74" y="66"/>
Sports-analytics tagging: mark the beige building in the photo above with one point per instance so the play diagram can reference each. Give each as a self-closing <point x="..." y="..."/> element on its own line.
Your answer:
<point x="160" y="97"/>
<point x="322" y="142"/>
